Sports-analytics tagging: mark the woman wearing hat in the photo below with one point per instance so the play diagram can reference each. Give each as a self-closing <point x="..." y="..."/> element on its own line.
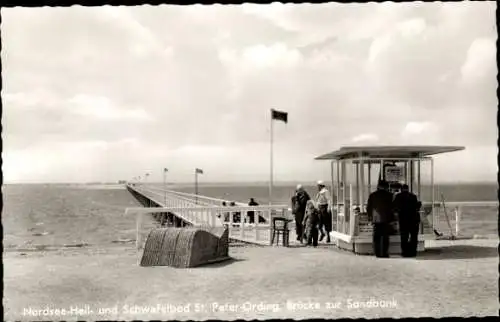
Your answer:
<point x="323" y="203"/>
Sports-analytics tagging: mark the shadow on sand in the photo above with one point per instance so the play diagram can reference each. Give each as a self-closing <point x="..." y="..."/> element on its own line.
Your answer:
<point x="224" y="263"/>
<point x="458" y="252"/>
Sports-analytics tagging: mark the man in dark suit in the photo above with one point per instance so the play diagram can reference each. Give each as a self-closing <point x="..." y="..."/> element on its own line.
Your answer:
<point x="299" y="201"/>
<point x="407" y="206"/>
<point x="379" y="208"/>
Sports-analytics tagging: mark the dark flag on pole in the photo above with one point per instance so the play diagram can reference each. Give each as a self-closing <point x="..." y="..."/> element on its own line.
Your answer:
<point x="199" y="171"/>
<point x="280" y="116"/>
<point x="165" y="170"/>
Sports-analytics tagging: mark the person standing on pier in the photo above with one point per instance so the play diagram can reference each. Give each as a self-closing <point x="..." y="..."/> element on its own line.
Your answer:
<point x="380" y="210"/>
<point x="324" y="204"/>
<point x="251" y="214"/>
<point x="236" y="215"/>
<point x="299" y="202"/>
<point x="407" y="206"/>
<point x="311" y="222"/>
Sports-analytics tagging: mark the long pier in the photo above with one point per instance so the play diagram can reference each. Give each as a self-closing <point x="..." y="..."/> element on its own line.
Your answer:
<point x="248" y="224"/>
<point x="178" y="209"/>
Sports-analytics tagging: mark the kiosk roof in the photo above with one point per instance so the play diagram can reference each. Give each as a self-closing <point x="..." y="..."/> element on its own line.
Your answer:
<point x="388" y="151"/>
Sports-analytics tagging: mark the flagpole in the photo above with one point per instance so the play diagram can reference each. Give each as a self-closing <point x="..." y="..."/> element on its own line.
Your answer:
<point x="196" y="185"/>
<point x="271" y="162"/>
<point x="165" y="185"/>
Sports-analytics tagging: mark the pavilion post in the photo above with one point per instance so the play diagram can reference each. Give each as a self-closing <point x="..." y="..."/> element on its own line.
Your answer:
<point x="418" y="180"/>
<point x="382" y="174"/>
<point x="357" y="183"/>
<point x="432" y="197"/>
<point x="406" y="172"/>
<point x="369" y="178"/>
<point x="333" y="183"/>
<point x="339" y="180"/>
<point x="362" y="187"/>
<point x="344" y="201"/>
<point x="411" y="176"/>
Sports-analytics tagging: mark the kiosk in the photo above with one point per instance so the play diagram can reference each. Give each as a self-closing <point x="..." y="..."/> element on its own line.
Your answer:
<point x="355" y="172"/>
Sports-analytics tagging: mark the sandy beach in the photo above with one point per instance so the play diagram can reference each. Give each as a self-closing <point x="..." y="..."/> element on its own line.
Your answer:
<point x="452" y="278"/>
<point x="96" y="276"/>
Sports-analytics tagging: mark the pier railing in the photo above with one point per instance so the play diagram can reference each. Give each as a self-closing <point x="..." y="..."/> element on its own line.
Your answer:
<point x="196" y="199"/>
<point x="245" y="223"/>
<point x="460" y="219"/>
<point x="234" y="218"/>
<point x="464" y="218"/>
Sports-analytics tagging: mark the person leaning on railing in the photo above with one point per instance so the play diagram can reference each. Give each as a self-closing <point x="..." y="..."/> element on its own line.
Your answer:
<point x="251" y="214"/>
<point x="236" y="214"/>
<point x="226" y="214"/>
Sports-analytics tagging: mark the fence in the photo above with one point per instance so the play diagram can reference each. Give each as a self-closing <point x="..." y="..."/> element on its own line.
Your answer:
<point x="234" y="218"/>
<point x="467" y="218"/>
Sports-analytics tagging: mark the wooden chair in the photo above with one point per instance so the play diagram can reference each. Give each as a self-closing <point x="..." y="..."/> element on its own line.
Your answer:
<point x="280" y="227"/>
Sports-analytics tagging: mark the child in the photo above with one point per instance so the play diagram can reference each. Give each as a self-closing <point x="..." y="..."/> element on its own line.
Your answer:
<point x="310" y="222"/>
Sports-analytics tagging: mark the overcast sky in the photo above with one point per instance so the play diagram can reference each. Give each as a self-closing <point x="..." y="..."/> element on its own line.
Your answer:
<point x="102" y="94"/>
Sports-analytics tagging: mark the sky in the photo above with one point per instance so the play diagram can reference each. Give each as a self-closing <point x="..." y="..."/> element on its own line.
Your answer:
<point x="111" y="93"/>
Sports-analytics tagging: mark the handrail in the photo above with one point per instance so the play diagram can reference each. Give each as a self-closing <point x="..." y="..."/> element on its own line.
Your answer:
<point x="472" y="203"/>
<point x="181" y="198"/>
<point x="217" y="209"/>
<point x="198" y="196"/>
<point x="185" y="194"/>
<point x="214" y="216"/>
<point x="457" y="208"/>
<point x="162" y="195"/>
<point x="196" y="218"/>
<point x="187" y="216"/>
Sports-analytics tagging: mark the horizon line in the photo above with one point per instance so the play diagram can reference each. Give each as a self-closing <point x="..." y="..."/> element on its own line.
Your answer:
<point x="304" y="182"/>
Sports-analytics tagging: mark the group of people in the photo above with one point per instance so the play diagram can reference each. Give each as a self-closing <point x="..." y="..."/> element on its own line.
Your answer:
<point x="383" y="206"/>
<point x="312" y="217"/>
<point x="250" y="217"/>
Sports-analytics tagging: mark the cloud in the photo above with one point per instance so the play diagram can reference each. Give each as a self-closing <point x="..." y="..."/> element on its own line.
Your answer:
<point x="412" y="27"/>
<point x="103" y="108"/>
<point x="421" y="133"/>
<point x="366" y="137"/>
<point x="417" y="128"/>
<point x="455" y="166"/>
<point x="412" y="73"/>
<point x="480" y="61"/>
<point x="266" y="56"/>
<point x="32" y="99"/>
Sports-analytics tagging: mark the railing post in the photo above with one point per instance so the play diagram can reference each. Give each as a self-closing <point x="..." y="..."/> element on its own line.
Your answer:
<point x="242" y="228"/>
<point x="349" y="210"/>
<point x="256" y="217"/>
<point x="138" y="239"/>
<point x="270" y="225"/>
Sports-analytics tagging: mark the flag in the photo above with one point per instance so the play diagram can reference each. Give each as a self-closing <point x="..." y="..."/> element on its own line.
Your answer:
<point x="165" y="170"/>
<point x="280" y="116"/>
<point x="199" y="171"/>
